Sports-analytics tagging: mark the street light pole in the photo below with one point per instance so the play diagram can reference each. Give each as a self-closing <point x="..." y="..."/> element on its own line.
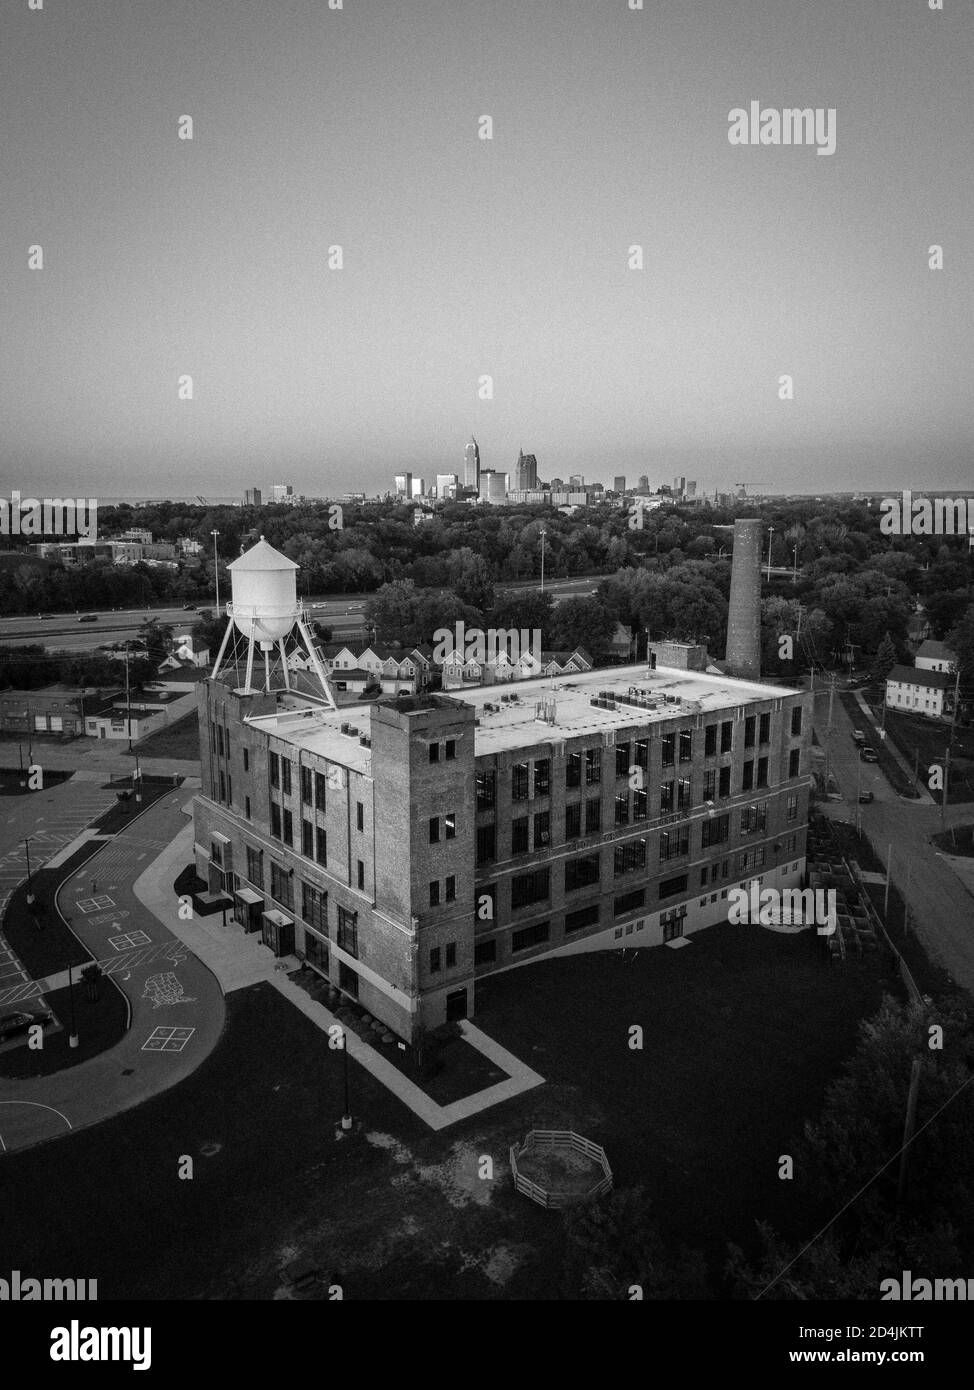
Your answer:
<point x="73" y="1038"/>
<point x="347" y="1114"/>
<point x="138" y="782"/>
<point x="30" y="886"/>
<point x="543" y="534"/>
<point x="859" y="797"/>
<point x="128" y="702"/>
<point x="216" y="571"/>
<point x="770" y="539"/>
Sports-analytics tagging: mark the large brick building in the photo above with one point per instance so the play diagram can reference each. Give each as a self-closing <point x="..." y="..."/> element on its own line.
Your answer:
<point x="406" y="848"/>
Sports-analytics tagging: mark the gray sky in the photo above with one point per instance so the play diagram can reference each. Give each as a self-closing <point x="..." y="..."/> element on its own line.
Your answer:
<point x="464" y="257"/>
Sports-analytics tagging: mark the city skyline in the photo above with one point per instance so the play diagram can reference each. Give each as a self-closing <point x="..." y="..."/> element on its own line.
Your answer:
<point x="465" y="257"/>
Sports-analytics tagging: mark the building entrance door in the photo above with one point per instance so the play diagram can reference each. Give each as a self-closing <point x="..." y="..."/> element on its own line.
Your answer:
<point x="456" y="1005"/>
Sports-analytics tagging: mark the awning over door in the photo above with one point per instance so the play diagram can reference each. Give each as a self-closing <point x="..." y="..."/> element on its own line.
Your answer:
<point x="247" y="895"/>
<point x="278" y="918"/>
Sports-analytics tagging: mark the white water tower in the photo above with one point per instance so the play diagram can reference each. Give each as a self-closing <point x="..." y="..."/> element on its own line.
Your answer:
<point x="264" y="610"/>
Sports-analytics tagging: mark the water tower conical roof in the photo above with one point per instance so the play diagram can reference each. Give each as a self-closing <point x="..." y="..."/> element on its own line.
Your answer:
<point x="261" y="557"/>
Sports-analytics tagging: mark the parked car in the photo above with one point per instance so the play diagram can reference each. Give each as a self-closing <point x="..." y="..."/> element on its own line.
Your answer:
<point x="858" y="736"/>
<point x="869" y="755"/>
<point x="88" y="618"/>
<point x="12" y="1024"/>
<point x="866" y="797"/>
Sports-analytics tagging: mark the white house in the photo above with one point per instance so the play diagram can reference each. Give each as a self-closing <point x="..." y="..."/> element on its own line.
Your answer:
<point x="934" y="656"/>
<point x="920" y="692"/>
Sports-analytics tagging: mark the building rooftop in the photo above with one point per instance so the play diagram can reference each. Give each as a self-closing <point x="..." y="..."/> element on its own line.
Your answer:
<point x="937" y="650"/>
<point x="508" y="714"/>
<point x="907" y="675"/>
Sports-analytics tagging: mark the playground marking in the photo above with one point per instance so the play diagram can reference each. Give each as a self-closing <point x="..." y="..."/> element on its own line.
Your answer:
<point x="94" y="904"/>
<point x="165" y="989"/>
<point x="167" y="1039"/>
<point x="127" y="939"/>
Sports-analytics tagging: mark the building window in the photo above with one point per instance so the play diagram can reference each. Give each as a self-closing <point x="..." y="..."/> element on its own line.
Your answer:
<point x="321" y="783"/>
<point x="750" y="724"/>
<point x="219" y="740"/>
<point x="307" y="839"/>
<point x="710" y="740"/>
<point x="347" y="979"/>
<point x="275" y="820"/>
<point x="629" y="902"/>
<point x="581" y="873"/>
<point x="527" y="937"/>
<point x="434" y="752"/>
<point x="686" y="745"/>
<point x="622" y="759"/>
<point x="434" y="960"/>
<point x="747" y="775"/>
<point x="630" y="857"/>
<point x="573" y="821"/>
<point x="723" y="783"/>
<point x="542" y="776"/>
<point x="486" y="843"/>
<point x="593" y="815"/>
<point x="534" y="887"/>
<point x="754" y="818"/>
<point x="640" y="804"/>
<point x="762" y="772"/>
<point x="796" y="720"/>
<point x="314" y="907"/>
<point x="791" y="808"/>
<point x="360" y="869"/>
<point x="450" y="826"/>
<point x="665" y="798"/>
<point x="703" y="876"/>
<point x="316" y="952"/>
<point x="434" y="829"/>
<point x="673" y="843"/>
<point x="667" y="746"/>
<point x="288" y="836"/>
<point x="282" y="886"/>
<point x="348" y="931"/>
<point x="593" y="766"/>
<point x="622" y="808"/>
<point x="794" y="761"/>
<point x="519" y="835"/>
<point x="714" y="831"/>
<point x="672" y="928"/>
<point x="359" y="816"/>
<point x="451" y="748"/>
<point x="709" y="784"/>
<point x="435" y="893"/>
<point x="275" y="769"/>
<point x="321" y="845"/>
<point x="285" y="777"/>
<point x="669" y="887"/>
<point x="683" y="797"/>
<point x="306" y="785"/>
<point x="486" y="790"/>
<point x="573" y="770"/>
<point x="764" y="730"/>
<point x="451" y="888"/>
<point x="642" y="753"/>
<point x="247" y="807"/>
<point x="542" y="829"/>
<point x="451" y="954"/>
<point x="246" y="760"/>
<point x="485" y="952"/>
<point x="223" y="787"/>
<point x="727" y="736"/>
<point x="255" y="866"/>
<point x="582" y="917"/>
<point x="520" y="781"/>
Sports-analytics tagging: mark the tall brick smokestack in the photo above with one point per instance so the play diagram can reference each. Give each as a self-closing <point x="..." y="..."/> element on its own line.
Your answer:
<point x="744" y="614"/>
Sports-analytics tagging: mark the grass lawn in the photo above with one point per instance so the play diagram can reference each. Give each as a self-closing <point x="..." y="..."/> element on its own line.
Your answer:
<point x="100" y="1024"/>
<point x="959" y="839"/>
<point x="178" y="740"/>
<point x="912" y="733"/>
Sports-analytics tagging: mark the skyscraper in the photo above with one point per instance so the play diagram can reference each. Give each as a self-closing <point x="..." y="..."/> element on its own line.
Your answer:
<point x="471" y="464"/>
<point x="446" y="486"/>
<point x="619" y="484"/>
<point x="404" y="484"/>
<point x="643" y="482"/>
<point x="525" y="472"/>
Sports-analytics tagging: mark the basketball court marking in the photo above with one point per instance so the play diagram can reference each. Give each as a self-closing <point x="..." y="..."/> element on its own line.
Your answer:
<point x="167" y="1039"/>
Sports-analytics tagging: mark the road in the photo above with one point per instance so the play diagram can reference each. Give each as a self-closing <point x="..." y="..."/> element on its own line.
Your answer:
<point x="341" y="612"/>
<point x="941" y="906"/>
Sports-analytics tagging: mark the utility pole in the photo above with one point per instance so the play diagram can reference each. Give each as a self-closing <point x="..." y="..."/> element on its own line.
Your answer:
<point x="30" y="886"/>
<point x="828" y="736"/>
<point x="889" y="861"/>
<point x="770" y="539"/>
<point x="859" y="795"/>
<point x="216" y="571"/>
<point x="908" y="1127"/>
<point x="943" y="802"/>
<point x="128" y="702"/>
<point x="543" y="533"/>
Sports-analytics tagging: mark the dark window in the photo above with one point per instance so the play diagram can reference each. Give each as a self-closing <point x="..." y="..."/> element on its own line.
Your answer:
<point x="434" y="752"/>
<point x="255" y="866"/>
<point x="573" y="770"/>
<point x="286" y="776"/>
<point x="434" y="960"/>
<point x="450" y="826"/>
<point x="669" y="887"/>
<point x="754" y="818"/>
<point x="723" y="788"/>
<point x="749" y="726"/>
<point x="529" y="936"/>
<point x="307" y="839"/>
<point x="710" y="740"/>
<point x="314" y="907"/>
<point x="275" y="820"/>
<point x="282" y="885"/>
<point x="519" y="835"/>
<point x="275" y="769"/>
<point x="581" y="873"/>
<point x="435" y="893"/>
<point x="794" y="762"/>
<point x="640" y="805"/>
<point x="764" y="729"/>
<point x="219" y="740"/>
<point x="542" y="829"/>
<point x="642" y="753"/>
<point x="673" y="843"/>
<point x="316" y="951"/>
<point x="246" y="760"/>
<point x="321" y="783"/>
<point x="306" y="785"/>
<point x="321" y="845"/>
<point x="593" y="815"/>
<point x="348" y="931"/>
<point x="593" y="766"/>
<point x="484" y="952"/>
<point x="622" y="759"/>
<point x="666" y="798"/>
<point x="519" y="781"/>
<point x="223" y="787"/>
<point x="451" y="954"/>
<point x="630" y="857"/>
<point x="573" y="821"/>
<point x="288" y="836"/>
<point x="629" y="902"/>
<point x="451" y="888"/>
<point x="582" y="917"/>
<point x="486" y="790"/>
<point x="762" y="772"/>
<point x="709" y="784"/>
<point x="715" y="831"/>
<point x="726" y="736"/>
<point x="672" y="928"/>
<point x="434" y="829"/>
<point x="796" y="720"/>
<point x="686" y="745"/>
<point x="747" y="775"/>
<point x="542" y="777"/>
<point x="247" y="807"/>
<point x="791" y="809"/>
<point x="451" y="748"/>
<point x="534" y="887"/>
<point x="360" y="869"/>
<point x="486" y="843"/>
<point x="683" y="794"/>
<point x="622" y="808"/>
<point x="347" y="979"/>
<point x="359" y="816"/>
<point x="667" y="748"/>
<point x="703" y="876"/>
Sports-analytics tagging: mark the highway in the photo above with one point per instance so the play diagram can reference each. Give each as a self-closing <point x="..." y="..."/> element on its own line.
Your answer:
<point x="341" y="612"/>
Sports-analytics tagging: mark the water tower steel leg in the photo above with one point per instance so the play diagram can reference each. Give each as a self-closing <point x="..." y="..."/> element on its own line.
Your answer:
<point x="267" y="669"/>
<point x="316" y="662"/>
<point x="223" y="648"/>
<point x="248" y="682"/>
<point x="284" y="666"/>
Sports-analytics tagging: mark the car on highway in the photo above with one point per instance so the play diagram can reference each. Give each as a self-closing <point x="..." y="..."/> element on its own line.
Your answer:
<point x="869" y="755"/>
<point x="12" y="1024"/>
<point x="88" y="618"/>
<point x="858" y="737"/>
<point x="189" y="607"/>
<point x="45" y="617"/>
<point x="866" y="797"/>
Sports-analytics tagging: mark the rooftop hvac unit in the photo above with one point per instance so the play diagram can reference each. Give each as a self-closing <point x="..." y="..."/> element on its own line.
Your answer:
<point x="365" y="741"/>
<point x="345" y="728"/>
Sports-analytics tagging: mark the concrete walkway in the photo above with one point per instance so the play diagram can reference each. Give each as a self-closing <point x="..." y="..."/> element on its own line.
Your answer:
<point x="924" y="798"/>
